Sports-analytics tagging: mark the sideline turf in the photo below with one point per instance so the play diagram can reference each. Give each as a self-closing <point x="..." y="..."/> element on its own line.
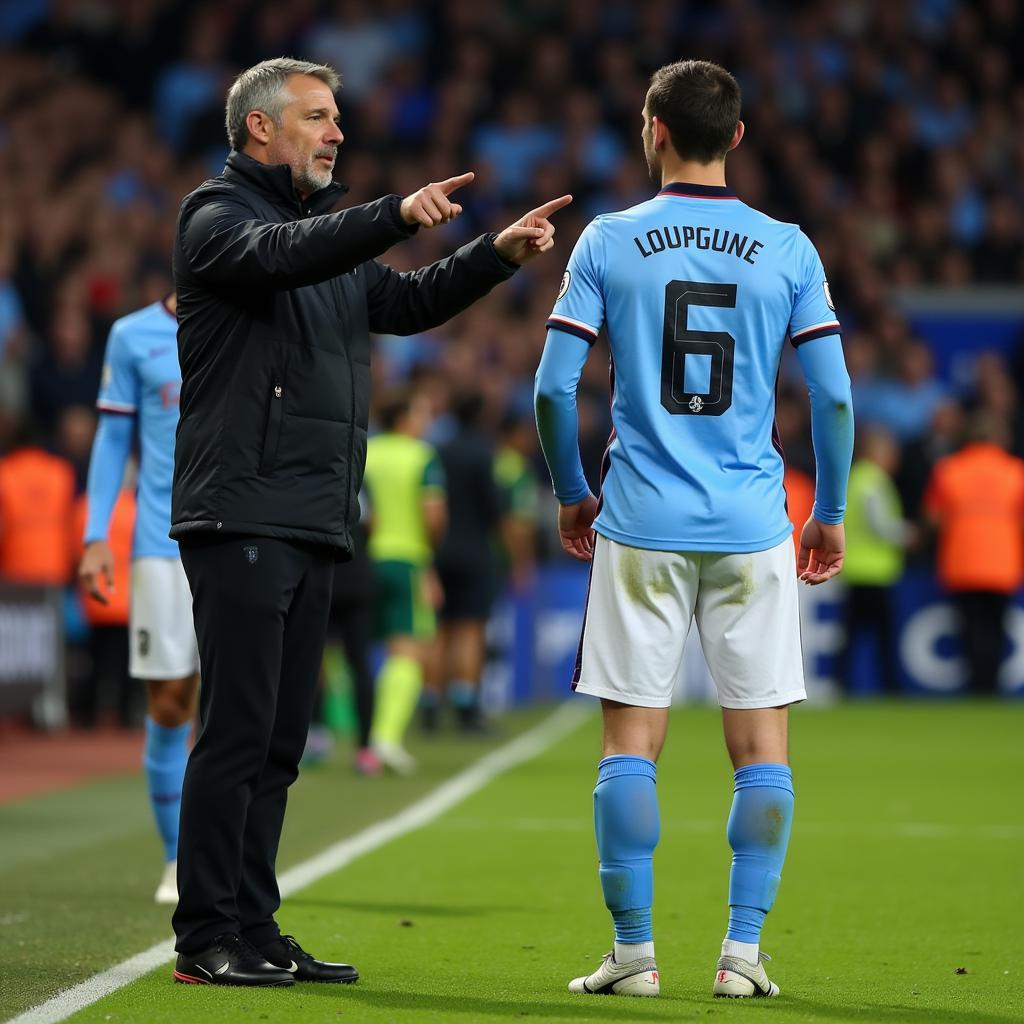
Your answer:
<point x="78" y="868"/>
<point x="906" y="864"/>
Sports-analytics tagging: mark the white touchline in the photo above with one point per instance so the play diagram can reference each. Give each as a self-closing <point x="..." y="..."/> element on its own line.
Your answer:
<point x="561" y="722"/>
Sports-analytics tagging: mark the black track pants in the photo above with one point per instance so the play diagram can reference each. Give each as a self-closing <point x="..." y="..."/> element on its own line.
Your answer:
<point x="260" y="607"/>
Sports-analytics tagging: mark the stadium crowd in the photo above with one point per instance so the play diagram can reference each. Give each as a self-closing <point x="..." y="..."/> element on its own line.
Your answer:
<point x="886" y="128"/>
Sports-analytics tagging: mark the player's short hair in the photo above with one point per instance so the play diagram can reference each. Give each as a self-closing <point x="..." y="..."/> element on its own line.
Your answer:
<point x="263" y="87"/>
<point x="699" y="104"/>
<point x="393" y="404"/>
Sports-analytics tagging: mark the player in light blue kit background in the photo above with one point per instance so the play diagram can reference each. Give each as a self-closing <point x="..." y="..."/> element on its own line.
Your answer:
<point x="698" y="293"/>
<point x="139" y="390"/>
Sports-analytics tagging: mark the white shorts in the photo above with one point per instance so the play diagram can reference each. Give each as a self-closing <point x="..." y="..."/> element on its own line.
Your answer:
<point x="640" y="607"/>
<point x="163" y="637"/>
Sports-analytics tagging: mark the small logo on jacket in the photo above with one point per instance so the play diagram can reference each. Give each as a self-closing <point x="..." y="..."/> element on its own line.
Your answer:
<point x="251" y="553"/>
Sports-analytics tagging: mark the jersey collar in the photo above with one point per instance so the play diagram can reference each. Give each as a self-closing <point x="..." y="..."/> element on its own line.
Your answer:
<point x="688" y="190"/>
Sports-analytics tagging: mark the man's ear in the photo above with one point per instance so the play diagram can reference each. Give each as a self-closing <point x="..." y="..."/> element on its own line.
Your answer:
<point x="659" y="133"/>
<point x="737" y="136"/>
<point x="260" y="127"/>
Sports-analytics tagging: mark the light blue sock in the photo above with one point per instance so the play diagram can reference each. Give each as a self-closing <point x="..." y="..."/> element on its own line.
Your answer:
<point x="758" y="832"/>
<point x="164" y="757"/>
<point x="627" y="826"/>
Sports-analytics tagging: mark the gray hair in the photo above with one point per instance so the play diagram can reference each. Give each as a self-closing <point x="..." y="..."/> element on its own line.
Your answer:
<point x="262" y="87"/>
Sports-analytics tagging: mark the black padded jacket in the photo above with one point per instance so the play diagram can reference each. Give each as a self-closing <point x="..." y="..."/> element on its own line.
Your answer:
<point x="276" y="301"/>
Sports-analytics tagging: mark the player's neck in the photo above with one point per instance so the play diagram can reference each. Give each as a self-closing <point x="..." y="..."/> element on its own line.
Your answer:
<point x="694" y="173"/>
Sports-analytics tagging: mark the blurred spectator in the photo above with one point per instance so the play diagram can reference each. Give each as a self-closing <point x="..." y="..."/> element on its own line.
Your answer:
<point x="515" y="145"/>
<point x="37" y="493"/>
<point x="68" y="372"/>
<point x="73" y="437"/>
<point x="976" y="502"/>
<point x="904" y="405"/>
<point x="943" y="437"/>
<point x="358" y="41"/>
<point x="876" y="537"/>
<point x="192" y="85"/>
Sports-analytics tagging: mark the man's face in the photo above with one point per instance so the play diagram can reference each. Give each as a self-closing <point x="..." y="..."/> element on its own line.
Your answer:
<point x="653" y="159"/>
<point x="308" y="137"/>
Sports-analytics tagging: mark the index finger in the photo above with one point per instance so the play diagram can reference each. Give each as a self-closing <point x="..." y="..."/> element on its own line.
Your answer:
<point x="550" y="207"/>
<point x="449" y="185"/>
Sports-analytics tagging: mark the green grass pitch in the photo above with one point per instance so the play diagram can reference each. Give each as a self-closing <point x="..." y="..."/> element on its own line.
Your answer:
<point x="906" y="866"/>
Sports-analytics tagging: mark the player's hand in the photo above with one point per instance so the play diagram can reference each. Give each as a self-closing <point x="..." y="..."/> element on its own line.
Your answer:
<point x="822" y="549"/>
<point x="531" y="235"/>
<point x="96" y="567"/>
<point x="575" y="528"/>
<point x="431" y="206"/>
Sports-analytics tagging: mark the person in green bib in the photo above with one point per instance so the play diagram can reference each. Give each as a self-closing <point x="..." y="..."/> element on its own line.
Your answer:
<point x="409" y="513"/>
<point x="876" y="538"/>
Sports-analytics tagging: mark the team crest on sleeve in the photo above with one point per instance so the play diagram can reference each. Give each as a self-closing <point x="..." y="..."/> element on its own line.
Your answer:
<point x="828" y="296"/>
<point x="106" y="377"/>
<point x="564" y="286"/>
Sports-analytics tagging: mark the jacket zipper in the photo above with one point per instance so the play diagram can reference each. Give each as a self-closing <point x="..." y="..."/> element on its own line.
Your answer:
<point x="272" y="434"/>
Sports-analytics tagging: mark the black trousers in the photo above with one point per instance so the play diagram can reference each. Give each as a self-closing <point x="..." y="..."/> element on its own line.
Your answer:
<point x="260" y="607"/>
<point x="982" y="615"/>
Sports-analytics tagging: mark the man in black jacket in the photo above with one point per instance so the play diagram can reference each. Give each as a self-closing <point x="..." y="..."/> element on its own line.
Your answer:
<point x="276" y="300"/>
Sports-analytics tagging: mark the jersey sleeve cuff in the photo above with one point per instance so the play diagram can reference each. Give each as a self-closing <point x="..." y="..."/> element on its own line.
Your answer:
<point x="830" y="517"/>
<point x="570" y="326"/>
<point x="118" y="408"/>
<point x="816" y="331"/>
<point x="572" y="497"/>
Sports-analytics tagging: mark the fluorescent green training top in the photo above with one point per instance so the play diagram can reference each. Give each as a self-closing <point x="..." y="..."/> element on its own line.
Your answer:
<point x="400" y="472"/>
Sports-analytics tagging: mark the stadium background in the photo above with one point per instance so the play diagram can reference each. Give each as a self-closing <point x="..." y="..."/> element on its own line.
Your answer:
<point x="889" y="129"/>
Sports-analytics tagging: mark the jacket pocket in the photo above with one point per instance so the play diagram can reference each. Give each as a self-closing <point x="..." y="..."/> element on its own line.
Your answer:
<point x="272" y="434"/>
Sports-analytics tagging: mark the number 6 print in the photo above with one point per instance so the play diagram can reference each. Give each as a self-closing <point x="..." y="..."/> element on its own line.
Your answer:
<point x="679" y="342"/>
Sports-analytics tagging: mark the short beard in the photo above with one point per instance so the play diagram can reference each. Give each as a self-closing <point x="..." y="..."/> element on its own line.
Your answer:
<point x="654" y="170"/>
<point x="311" y="178"/>
<point x="653" y="164"/>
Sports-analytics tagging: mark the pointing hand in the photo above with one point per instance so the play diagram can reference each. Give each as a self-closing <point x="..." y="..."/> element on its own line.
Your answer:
<point x="531" y="235"/>
<point x="430" y="206"/>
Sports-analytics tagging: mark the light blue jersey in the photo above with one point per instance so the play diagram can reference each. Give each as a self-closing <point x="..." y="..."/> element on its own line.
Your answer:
<point x="140" y="385"/>
<point x="698" y="292"/>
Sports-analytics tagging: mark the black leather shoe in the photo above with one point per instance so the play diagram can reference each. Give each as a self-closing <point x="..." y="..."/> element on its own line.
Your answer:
<point x="285" y="952"/>
<point x="229" y="960"/>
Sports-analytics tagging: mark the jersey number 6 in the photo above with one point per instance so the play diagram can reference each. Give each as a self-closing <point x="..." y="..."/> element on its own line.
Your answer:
<point x="679" y="343"/>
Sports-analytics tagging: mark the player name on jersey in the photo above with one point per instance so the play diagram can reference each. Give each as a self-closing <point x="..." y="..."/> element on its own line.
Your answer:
<point x="685" y="236"/>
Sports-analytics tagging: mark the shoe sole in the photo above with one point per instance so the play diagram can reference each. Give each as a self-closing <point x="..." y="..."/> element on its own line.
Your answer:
<point x="725" y="977"/>
<point x="636" y="986"/>
<point x="187" y="979"/>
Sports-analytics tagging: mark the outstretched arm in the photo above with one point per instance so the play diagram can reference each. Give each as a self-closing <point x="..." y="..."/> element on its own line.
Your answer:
<point x="405" y="303"/>
<point x="225" y="245"/>
<point x="822" y="541"/>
